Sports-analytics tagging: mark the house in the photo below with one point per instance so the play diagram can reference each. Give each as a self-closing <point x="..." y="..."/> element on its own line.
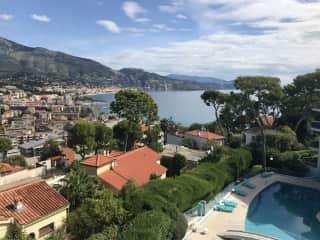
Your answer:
<point x="66" y="157"/>
<point x="252" y="135"/>
<point x="34" y="147"/>
<point x="202" y="137"/>
<point x="117" y="168"/>
<point x="199" y="138"/>
<point x="34" y="206"/>
<point x="6" y="169"/>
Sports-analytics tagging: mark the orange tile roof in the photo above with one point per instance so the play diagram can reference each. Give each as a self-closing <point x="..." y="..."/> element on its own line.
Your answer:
<point x="69" y="154"/>
<point x="267" y="121"/>
<point x="7" y="168"/>
<point x="100" y="159"/>
<point x="138" y="164"/>
<point x="38" y="200"/>
<point x="205" y="134"/>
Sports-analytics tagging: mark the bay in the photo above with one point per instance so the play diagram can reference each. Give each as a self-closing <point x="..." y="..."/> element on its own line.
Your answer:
<point x="185" y="107"/>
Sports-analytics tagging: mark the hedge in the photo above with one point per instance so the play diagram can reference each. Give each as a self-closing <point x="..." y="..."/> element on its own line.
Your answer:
<point x="175" y="195"/>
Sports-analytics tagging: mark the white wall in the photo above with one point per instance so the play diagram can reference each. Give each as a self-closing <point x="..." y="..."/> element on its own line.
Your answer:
<point x="22" y="175"/>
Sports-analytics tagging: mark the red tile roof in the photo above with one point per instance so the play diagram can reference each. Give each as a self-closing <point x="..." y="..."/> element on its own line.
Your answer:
<point x="69" y="154"/>
<point x="38" y="200"/>
<point x="138" y="164"/>
<point x="100" y="159"/>
<point x="267" y="121"/>
<point x="7" y="168"/>
<point x="205" y="134"/>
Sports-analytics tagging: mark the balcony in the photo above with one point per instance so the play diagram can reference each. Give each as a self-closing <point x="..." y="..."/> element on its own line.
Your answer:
<point x="315" y="126"/>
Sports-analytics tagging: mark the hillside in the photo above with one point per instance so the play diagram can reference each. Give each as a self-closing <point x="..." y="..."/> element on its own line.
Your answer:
<point x="30" y="67"/>
<point x="205" y="82"/>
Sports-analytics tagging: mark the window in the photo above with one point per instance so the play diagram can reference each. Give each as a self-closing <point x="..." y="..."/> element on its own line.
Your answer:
<point x="46" y="230"/>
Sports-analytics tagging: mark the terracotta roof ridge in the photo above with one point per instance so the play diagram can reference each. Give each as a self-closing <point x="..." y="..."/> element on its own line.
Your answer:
<point x="120" y="175"/>
<point x="132" y="151"/>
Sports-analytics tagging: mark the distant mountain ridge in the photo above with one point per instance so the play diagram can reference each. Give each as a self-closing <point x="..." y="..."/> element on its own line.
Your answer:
<point x="209" y="81"/>
<point x="30" y="67"/>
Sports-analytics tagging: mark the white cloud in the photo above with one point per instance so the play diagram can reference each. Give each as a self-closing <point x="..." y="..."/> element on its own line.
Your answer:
<point x="181" y="16"/>
<point x="109" y="25"/>
<point x="6" y="17"/>
<point x="133" y="10"/>
<point x="161" y="27"/>
<point x="40" y="18"/>
<point x="239" y="37"/>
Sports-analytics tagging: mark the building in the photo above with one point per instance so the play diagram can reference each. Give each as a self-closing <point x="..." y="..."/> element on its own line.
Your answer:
<point x="34" y="206"/>
<point x="116" y="168"/>
<point x="6" y="169"/>
<point x="252" y="135"/>
<point x="66" y="158"/>
<point x="34" y="147"/>
<point x="198" y="137"/>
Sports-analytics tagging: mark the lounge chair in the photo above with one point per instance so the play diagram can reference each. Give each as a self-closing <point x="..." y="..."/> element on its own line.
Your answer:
<point x="239" y="191"/>
<point x="223" y="208"/>
<point x="247" y="183"/>
<point x="267" y="174"/>
<point x="229" y="203"/>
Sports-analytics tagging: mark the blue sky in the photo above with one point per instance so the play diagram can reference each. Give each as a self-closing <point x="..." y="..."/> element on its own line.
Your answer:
<point x="219" y="38"/>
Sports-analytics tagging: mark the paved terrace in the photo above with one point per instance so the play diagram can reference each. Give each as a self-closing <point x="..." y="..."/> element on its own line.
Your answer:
<point x="218" y="222"/>
<point x="190" y="154"/>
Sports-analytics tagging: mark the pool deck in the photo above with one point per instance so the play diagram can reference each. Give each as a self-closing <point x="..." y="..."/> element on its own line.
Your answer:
<point x="218" y="222"/>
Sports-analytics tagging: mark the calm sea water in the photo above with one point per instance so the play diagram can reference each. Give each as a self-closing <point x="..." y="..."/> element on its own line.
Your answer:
<point x="286" y="212"/>
<point x="185" y="107"/>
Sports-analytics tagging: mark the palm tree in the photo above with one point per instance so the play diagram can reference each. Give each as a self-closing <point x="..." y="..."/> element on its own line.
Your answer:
<point x="77" y="186"/>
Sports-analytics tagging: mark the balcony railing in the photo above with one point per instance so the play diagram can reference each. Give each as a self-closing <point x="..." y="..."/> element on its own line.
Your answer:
<point x="315" y="125"/>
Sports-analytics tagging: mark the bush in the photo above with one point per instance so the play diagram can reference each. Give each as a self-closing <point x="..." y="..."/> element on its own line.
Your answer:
<point x="17" y="160"/>
<point x="171" y="196"/>
<point x="174" y="164"/>
<point x="148" y="225"/>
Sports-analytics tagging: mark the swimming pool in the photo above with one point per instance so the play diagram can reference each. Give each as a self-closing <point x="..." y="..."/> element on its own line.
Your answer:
<point x="286" y="212"/>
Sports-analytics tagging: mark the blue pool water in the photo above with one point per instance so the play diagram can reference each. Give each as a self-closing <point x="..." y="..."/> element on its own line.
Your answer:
<point x="286" y="212"/>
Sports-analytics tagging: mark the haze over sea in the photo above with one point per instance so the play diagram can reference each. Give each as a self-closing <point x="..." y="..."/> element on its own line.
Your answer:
<point x="185" y="107"/>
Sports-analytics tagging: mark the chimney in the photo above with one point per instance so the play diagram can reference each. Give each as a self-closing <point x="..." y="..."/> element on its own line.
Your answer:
<point x="113" y="164"/>
<point x="17" y="204"/>
<point x="199" y="133"/>
<point x="104" y="153"/>
<point x="108" y="153"/>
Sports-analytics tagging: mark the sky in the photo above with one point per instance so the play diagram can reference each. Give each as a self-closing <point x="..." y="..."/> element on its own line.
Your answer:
<point x="217" y="38"/>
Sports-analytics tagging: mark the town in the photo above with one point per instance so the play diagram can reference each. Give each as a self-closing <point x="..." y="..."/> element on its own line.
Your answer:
<point x="159" y="120"/>
<point x="59" y="155"/>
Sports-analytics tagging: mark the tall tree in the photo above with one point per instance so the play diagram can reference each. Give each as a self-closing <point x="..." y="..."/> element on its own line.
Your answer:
<point x="5" y="146"/>
<point x="127" y="134"/>
<point x="167" y="125"/>
<point x="262" y="97"/>
<point x="136" y="106"/>
<point x="50" y="149"/>
<point x="217" y="100"/>
<point x="103" y="137"/>
<point x="152" y="138"/>
<point x="77" y="186"/>
<point x="82" y="138"/>
<point x="300" y="97"/>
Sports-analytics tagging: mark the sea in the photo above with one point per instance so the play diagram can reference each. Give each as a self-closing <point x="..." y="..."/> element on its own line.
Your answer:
<point x="184" y="107"/>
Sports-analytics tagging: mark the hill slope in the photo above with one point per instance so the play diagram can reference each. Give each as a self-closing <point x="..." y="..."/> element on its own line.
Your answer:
<point x="31" y="67"/>
<point x="209" y="82"/>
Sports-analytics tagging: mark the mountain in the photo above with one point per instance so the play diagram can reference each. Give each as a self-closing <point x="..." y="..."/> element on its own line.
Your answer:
<point x="29" y="67"/>
<point x="205" y="82"/>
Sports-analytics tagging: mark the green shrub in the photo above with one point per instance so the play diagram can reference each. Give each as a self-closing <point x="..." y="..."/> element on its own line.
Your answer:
<point x="148" y="225"/>
<point x="17" y="160"/>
